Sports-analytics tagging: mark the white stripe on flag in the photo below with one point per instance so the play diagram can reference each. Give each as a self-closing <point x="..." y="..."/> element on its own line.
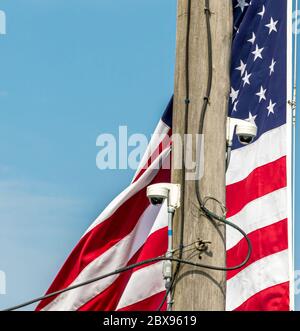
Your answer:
<point x="161" y="130"/>
<point x="132" y="189"/>
<point x="161" y="219"/>
<point x="114" y="258"/>
<point x="257" y="214"/>
<point x="268" y="148"/>
<point x="269" y="271"/>
<point x="143" y="284"/>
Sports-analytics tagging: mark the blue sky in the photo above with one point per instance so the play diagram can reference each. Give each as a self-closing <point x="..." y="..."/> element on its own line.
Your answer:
<point x="69" y="71"/>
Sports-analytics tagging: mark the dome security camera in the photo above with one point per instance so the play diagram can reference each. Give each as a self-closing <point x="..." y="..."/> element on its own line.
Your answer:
<point x="246" y="133"/>
<point x="245" y="130"/>
<point x="157" y="193"/>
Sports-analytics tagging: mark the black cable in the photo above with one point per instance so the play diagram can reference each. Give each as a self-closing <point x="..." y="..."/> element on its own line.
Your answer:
<point x="206" y="211"/>
<point x="118" y="271"/>
<point x="186" y="114"/>
<point x="49" y="295"/>
<point x="209" y="214"/>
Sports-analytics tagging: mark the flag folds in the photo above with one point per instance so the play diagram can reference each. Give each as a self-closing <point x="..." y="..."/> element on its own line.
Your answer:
<point x="258" y="178"/>
<point x="128" y="231"/>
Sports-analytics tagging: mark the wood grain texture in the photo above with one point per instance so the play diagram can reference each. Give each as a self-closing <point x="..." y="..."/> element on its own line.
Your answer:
<point x="203" y="289"/>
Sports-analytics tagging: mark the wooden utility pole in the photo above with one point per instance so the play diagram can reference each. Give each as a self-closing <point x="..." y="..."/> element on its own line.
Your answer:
<point x="202" y="289"/>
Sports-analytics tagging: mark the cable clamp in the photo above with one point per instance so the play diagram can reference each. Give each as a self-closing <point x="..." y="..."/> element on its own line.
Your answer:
<point x="187" y="101"/>
<point x="206" y="99"/>
<point x="202" y="246"/>
<point x="207" y="11"/>
<point x="181" y="247"/>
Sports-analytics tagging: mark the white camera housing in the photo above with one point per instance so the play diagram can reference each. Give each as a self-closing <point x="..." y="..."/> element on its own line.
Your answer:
<point x="245" y="130"/>
<point x="157" y="193"/>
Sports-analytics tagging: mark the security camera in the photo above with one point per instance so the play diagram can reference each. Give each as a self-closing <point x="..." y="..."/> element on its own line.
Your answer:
<point x="157" y="193"/>
<point x="245" y="130"/>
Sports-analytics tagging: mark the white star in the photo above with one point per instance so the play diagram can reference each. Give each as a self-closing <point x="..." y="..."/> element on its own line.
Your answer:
<point x="234" y="94"/>
<point x="271" y="107"/>
<point x="251" y="118"/>
<point x="261" y="94"/>
<point x="241" y="68"/>
<point x="242" y="4"/>
<point x="246" y="78"/>
<point x="271" y="67"/>
<point x="272" y="25"/>
<point x="234" y="106"/>
<point x="252" y="40"/>
<point x="257" y="52"/>
<point x="262" y="13"/>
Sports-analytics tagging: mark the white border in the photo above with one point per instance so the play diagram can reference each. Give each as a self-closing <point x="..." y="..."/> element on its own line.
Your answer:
<point x="289" y="149"/>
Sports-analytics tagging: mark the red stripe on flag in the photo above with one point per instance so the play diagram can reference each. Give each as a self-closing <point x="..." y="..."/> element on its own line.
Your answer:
<point x="108" y="300"/>
<point x="265" y="241"/>
<point x="156" y="245"/>
<point x="102" y="237"/>
<point x="164" y="144"/>
<point x="261" y="181"/>
<point x="275" y="298"/>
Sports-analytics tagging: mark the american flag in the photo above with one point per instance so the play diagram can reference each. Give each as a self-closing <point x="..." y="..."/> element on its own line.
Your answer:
<point x="130" y="230"/>
<point x="258" y="185"/>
